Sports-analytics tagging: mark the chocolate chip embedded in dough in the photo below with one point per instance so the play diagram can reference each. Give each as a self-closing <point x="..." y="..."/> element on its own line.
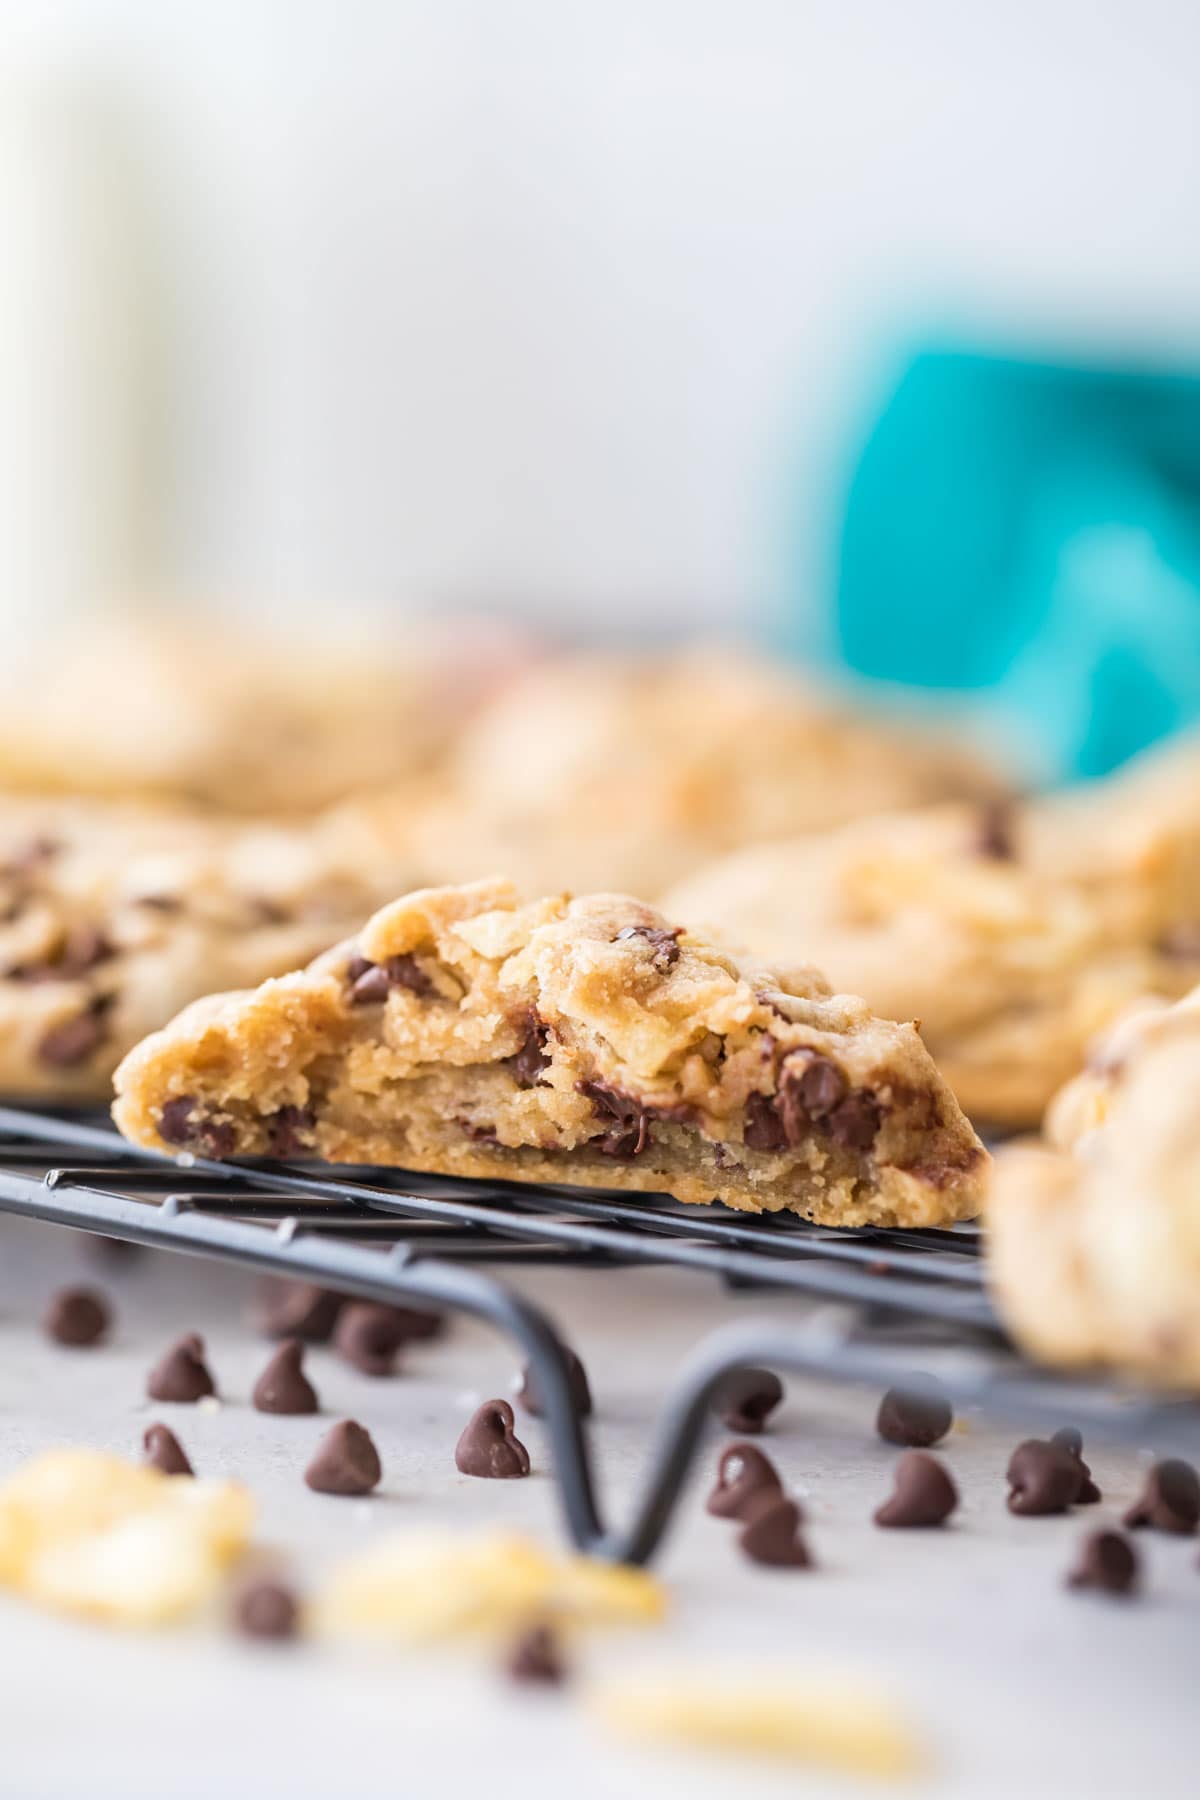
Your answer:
<point x="663" y="944"/>
<point x="924" y="1493"/>
<point x="531" y="1061"/>
<point x="288" y="1130"/>
<point x="810" y="1087"/>
<point x="743" y="1473"/>
<point x="346" y="1462"/>
<point x="182" y="1123"/>
<point x="854" y="1123"/>
<point x="1043" y="1479"/>
<point x="182" y="1375"/>
<point x="164" y="1452"/>
<point x="746" y="1398"/>
<point x="1108" y="1562"/>
<point x="995" y="838"/>
<point x="1170" y="1500"/>
<point x="71" y="1042"/>
<point x="762" y="1128"/>
<point x="627" y="1121"/>
<point x="283" y="1387"/>
<point x="489" y="1446"/>
<point x="530" y="1393"/>
<point x="79" y="1317"/>
<point x="371" y="983"/>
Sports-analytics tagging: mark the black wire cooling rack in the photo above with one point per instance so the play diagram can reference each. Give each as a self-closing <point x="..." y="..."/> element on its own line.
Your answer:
<point x="864" y="1306"/>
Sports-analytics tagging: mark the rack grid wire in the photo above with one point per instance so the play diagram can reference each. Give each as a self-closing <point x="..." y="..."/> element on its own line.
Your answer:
<point x="866" y="1306"/>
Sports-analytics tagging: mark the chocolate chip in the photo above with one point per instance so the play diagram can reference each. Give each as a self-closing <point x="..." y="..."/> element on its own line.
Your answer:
<point x="854" y="1124"/>
<point x="70" y="1043"/>
<point x="770" y="1532"/>
<point x="1170" y="1500"/>
<point x="531" y="1061"/>
<point x="1107" y="1561"/>
<point x="994" y="837"/>
<point x="297" y="1309"/>
<point x="1043" y="1479"/>
<point x="810" y="1087"/>
<point x="746" y="1397"/>
<point x="283" y="1387"/>
<point x="163" y="903"/>
<point x="182" y="1374"/>
<point x="530" y="1394"/>
<point x="1070" y="1440"/>
<point x="76" y="1316"/>
<point x="164" y="1451"/>
<point x="30" y="856"/>
<point x="346" y="1462"/>
<point x="743" y="1474"/>
<point x="916" y="1415"/>
<point x="628" y="1128"/>
<point x="266" y="1609"/>
<point x="371" y="983"/>
<point x="288" y="1130"/>
<point x="489" y="1446"/>
<point x="369" y="1337"/>
<point x="924" y="1493"/>
<point x="1181" y="943"/>
<point x="417" y="1322"/>
<point x="536" y="1658"/>
<point x="663" y="945"/>
<point x="762" y="1128"/>
<point x="183" y="1124"/>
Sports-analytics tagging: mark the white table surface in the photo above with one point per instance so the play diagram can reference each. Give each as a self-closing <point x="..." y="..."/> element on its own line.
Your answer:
<point x="1018" y="1686"/>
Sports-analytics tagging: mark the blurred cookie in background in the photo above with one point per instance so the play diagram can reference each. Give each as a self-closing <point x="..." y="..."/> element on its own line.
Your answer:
<point x="598" y="772"/>
<point x="1013" y="934"/>
<point x="208" y="711"/>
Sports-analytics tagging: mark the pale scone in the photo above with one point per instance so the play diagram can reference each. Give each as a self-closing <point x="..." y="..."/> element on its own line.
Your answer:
<point x="113" y="916"/>
<point x="1013" y="934"/>
<point x="597" y="772"/>
<point x="206" y="711"/>
<point x="1094" y="1234"/>
<point x="587" y="1041"/>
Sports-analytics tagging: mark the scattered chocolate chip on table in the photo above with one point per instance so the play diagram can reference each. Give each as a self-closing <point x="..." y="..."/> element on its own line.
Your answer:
<point x="182" y="1375"/>
<point x="924" y="1493"/>
<point x="78" y="1317"/>
<point x="530" y="1394"/>
<point x="915" y="1415"/>
<point x="283" y="1387"/>
<point x="489" y="1446"/>
<point x="1043" y="1478"/>
<point x="745" y="1399"/>
<point x="164" y="1452"/>
<point x="771" y="1533"/>
<point x="743" y="1474"/>
<point x="1170" y="1500"/>
<point x="345" y="1462"/>
<point x="1108" y="1562"/>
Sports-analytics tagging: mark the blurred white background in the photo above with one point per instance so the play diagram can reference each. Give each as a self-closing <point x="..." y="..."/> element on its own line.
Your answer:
<point x="535" y="303"/>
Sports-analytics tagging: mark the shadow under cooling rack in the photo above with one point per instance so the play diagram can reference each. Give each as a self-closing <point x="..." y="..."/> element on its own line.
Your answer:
<point x="863" y="1305"/>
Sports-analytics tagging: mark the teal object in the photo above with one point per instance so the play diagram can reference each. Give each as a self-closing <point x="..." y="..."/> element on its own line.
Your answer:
<point x="1028" y="534"/>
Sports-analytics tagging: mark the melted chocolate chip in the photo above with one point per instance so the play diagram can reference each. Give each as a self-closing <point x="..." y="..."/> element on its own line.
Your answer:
<point x="924" y="1492"/>
<point x="183" y="1374"/>
<point x="854" y="1124"/>
<point x="746" y="1398"/>
<point x="346" y="1462"/>
<point x="813" y="1093"/>
<point x="627" y="1121"/>
<point x="70" y="1043"/>
<point x="662" y="943"/>
<point x="266" y="1609"/>
<point x="536" y="1658"/>
<point x="1043" y="1479"/>
<point x="1070" y="1441"/>
<point x="182" y="1124"/>
<point x="1107" y="1562"/>
<point x="288" y="1129"/>
<point x="489" y="1446"/>
<point x="770" y="1532"/>
<point x="371" y="983"/>
<point x="76" y="1316"/>
<point x="1170" y="1500"/>
<point x="297" y="1309"/>
<point x="763" y="1128"/>
<point x="994" y="837"/>
<point x="164" y="1452"/>
<point x="283" y="1387"/>
<point x="531" y="1061"/>
<point x="369" y="1337"/>
<point x="916" y="1415"/>
<point x="743" y="1474"/>
<point x="530" y="1394"/>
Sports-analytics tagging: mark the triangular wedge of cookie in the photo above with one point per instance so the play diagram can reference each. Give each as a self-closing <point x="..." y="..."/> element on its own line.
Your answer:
<point x="586" y="1041"/>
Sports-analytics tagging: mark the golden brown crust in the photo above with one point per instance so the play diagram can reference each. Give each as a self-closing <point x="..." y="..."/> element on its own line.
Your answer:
<point x="586" y="1040"/>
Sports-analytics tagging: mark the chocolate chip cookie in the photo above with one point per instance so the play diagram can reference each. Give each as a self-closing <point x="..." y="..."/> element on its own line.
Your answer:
<point x="1094" y="1232"/>
<point x="113" y="917"/>
<point x="1012" y="934"/>
<point x="589" y="1041"/>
